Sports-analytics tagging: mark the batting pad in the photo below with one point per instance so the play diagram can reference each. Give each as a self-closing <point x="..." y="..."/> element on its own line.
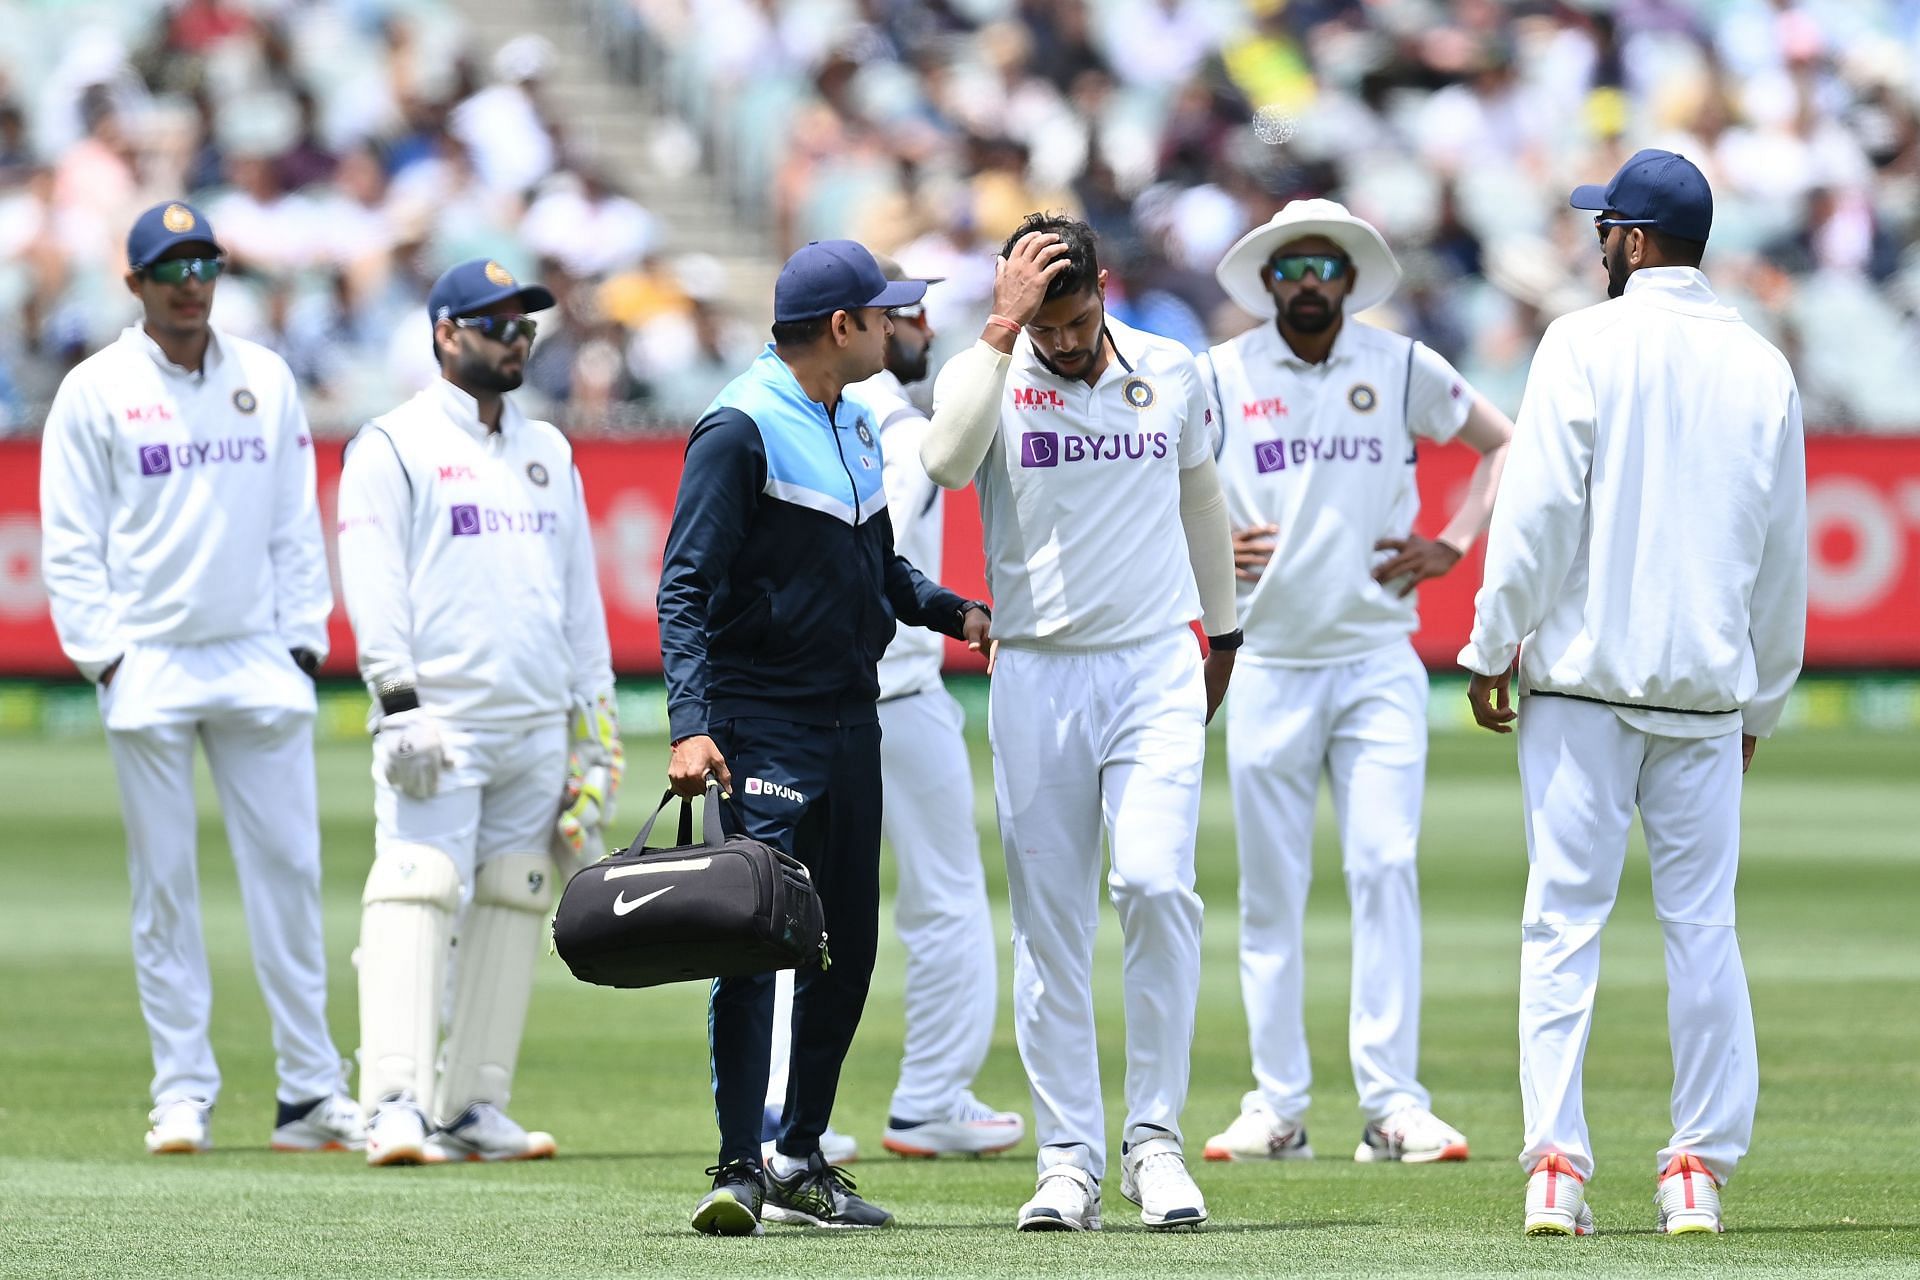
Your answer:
<point x="494" y="980"/>
<point x="406" y="926"/>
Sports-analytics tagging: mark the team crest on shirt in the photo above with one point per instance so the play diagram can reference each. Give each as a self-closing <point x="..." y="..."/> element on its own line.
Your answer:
<point x="245" y="401"/>
<point x="1138" y="393"/>
<point x="537" y="474"/>
<point x="865" y="434"/>
<point x="177" y="218"/>
<point x="1363" y="397"/>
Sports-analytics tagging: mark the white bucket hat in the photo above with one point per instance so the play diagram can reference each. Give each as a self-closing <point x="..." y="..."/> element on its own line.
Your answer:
<point x="1377" y="273"/>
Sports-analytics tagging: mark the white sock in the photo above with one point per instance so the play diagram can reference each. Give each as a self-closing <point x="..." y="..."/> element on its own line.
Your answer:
<point x="784" y="1166"/>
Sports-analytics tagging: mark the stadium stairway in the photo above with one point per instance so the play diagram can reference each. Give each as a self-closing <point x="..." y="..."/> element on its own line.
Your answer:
<point x="613" y="120"/>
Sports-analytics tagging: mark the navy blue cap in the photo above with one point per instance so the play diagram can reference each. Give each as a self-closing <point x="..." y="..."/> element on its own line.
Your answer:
<point x="164" y="226"/>
<point x="479" y="283"/>
<point x="1659" y="187"/>
<point x="837" y="275"/>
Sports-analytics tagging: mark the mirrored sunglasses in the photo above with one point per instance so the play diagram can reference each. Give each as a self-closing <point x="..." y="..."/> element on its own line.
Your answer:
<point x="912" y="311"/>
<point x="1294" y="267"/>
<point x="176" y="270"/>
<point x="500" y="328"/>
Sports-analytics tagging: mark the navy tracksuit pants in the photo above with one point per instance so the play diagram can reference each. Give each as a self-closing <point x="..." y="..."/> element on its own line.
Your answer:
<point x="813" y="791"/>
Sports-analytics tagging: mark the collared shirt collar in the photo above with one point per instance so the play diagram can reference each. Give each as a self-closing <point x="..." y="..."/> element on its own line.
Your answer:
<point x="138" y="335"/>
<point x="465" y="410"/>
<point x="1680" y="288"/>
<point x="1342" y="348"/>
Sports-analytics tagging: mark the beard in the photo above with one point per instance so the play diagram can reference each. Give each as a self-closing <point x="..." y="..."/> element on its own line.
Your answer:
<point x="1617" y="269"/>
<point x="1310" y="314"/>
<point x="907" y="366"/>
<point x="477" y="374"/>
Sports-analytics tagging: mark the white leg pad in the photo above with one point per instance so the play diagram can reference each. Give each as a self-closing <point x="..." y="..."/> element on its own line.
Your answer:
<point x="406" y="927"/>
<point x="493" y="981"/>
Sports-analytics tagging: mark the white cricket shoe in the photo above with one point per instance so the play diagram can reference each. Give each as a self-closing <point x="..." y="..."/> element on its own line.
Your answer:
<point x="1688" y="1198"/>
<point x="397" y="1133"/>
<point x="1257" y="1133"/>
<point x="1557" y="1200"/>
<point x="973" y="1128"/>
<point x="1065" y="1199"/>
<point x="330" y="1124"/>
<point x="1153" y="1174"/>
<point x="1412" y="1135"/>
<point x="485" y="1132"/>
<point x="179" y="1127"/>
<point x="837" y="1147"/>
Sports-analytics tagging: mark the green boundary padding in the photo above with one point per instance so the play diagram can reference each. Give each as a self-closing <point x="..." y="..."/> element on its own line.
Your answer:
<point x="1888" y="702"/>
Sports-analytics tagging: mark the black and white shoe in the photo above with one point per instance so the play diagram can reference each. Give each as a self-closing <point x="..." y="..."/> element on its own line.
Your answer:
<point x="734" y="1205"/>
<point x="820" y="1195"/>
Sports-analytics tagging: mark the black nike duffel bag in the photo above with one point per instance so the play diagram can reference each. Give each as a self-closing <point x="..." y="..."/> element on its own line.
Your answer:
<point x="727" y="907"/>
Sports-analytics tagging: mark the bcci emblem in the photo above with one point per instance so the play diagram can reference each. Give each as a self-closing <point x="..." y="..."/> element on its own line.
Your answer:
<point x="866" y="435"/>
<point x="1139" y="393"/>
<point x="537" y="474"/>
<point x="244" y="401"/>
<point x="177" y="218"/>
<point x="499" y="274"/>
<point x="1362" y="397"/>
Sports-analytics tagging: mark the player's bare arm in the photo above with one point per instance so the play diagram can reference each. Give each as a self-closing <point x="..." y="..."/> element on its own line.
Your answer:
<point x="1416" y="559"/>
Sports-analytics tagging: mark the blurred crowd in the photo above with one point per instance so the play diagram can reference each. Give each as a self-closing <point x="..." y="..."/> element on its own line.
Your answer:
<point x="927" y="127"/>
<point x="348" y="150"/>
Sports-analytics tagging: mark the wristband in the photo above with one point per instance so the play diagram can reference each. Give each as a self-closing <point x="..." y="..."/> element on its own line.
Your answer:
<point x="1227" y="643"/>
<point x="397" y="696"/>
<point x="1004" y="323"/>
<point x="968" y="606"/>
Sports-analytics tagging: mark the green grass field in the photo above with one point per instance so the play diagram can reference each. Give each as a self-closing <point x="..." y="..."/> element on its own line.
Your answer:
<point x="1833" y="834"/>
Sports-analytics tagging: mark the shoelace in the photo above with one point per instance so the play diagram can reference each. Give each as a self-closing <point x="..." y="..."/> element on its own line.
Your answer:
<point x="743" y="1170"/>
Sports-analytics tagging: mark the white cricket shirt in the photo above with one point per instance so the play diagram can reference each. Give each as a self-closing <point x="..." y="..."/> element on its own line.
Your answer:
<point x="1649" y="541"/>
<point x="178" y="506"/>
<point x="466" y="561"/>
<point x="1080" y="496"/>
<point x="1326" y="452"/>
<point x="917" y="508"/>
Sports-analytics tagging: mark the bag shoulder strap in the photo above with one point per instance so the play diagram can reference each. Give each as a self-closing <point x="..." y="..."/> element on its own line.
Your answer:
<point x="712" y="835"/>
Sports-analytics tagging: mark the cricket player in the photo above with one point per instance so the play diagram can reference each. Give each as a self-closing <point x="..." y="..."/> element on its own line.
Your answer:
<point x="1106" y="537"/>
<point x="940" y="907"/>
<point x="1320" y="418"/>
<point x="1648" y="565"/>
<point x="779" y="590"/>
<point x="466" y="561"/>
<point x="183" y="558"/>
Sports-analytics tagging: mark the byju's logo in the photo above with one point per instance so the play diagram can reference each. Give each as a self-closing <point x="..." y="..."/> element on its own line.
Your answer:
<point x="466" y="520"/>
<point x="165" y="459"/>
<point x="761" y="787"/>
<point x="1269" y="455"/>
<point x="155" y="460"/>
<point x="1278" y="455"/>
<point x="1040" y="449"/>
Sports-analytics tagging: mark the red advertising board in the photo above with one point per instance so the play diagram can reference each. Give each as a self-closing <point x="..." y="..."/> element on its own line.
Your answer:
<point x="1863" y="506"/>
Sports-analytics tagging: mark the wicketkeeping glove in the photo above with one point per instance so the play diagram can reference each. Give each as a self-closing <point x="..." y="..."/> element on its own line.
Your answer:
<point x="409" y="752"/>
<point x="595" y="762"/>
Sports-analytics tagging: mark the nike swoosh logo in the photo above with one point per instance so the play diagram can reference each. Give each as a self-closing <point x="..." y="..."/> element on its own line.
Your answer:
<point x="621" y="906"/>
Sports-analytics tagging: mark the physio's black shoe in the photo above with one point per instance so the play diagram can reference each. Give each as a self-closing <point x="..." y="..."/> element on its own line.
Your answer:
<point x="734" y="1205"/>
<point x="820" y="1195"/>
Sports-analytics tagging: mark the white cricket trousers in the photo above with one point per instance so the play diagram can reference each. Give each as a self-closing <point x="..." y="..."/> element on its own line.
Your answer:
<point x="1582" y="772"/>
<point x="940" y="910"/>
<point x="1363" y="724"/>
<point x="1109" y="739"/>
<point x="252" y="710"/>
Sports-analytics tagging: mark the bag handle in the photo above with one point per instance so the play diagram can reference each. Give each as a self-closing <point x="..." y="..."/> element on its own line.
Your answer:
<point x="712" y="833"/>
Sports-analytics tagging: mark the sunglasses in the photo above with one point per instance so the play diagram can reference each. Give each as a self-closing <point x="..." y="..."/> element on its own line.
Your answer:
<point x="911" y="312"/>
<point x="1294" y="267"/>
<point x="500" y="328"/>
<point x="1602" y="225"/>
<point x="176" y="270"/>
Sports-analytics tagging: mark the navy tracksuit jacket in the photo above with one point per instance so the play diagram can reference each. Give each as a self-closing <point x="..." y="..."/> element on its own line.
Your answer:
<point x="779" y="591"/>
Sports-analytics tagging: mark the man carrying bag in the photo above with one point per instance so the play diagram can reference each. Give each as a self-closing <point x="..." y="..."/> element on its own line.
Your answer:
<point x="779" y="590"/>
